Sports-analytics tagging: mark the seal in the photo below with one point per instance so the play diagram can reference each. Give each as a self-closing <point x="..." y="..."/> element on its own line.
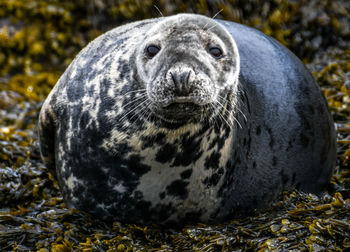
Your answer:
<point x="185" y="119"/>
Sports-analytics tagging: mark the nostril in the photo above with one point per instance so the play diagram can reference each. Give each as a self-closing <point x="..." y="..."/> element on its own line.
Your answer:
<point x="176" y="82"/>
<point x="174" y="78"/>
<point x="181" y="82"/>
<point x="186" y="77"/>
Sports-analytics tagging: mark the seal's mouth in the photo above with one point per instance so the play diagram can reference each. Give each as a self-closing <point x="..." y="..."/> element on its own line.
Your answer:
<point x="182" y="107"/>
<point x="181" y="111"/>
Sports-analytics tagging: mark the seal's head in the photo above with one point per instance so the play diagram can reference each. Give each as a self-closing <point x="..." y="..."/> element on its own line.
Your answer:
<point x="186" y="61"/>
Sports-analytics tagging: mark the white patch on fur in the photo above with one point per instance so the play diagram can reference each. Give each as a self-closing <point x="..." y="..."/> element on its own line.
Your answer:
<point x="71" y="181"/>
<point x="119" y="188"/>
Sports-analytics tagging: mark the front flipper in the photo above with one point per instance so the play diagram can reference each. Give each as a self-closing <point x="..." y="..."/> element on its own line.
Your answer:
<point x="46" y="130"/>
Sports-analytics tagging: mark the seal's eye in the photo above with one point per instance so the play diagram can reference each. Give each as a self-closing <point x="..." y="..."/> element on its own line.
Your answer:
<point x="152" y="50"/>
<point x="216" y="52"/>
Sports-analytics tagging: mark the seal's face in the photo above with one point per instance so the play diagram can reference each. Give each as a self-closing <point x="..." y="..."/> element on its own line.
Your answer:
<point x="186" y="62"/>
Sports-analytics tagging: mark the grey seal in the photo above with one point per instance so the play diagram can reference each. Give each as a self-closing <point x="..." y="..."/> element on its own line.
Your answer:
<point x="185" y="119"/>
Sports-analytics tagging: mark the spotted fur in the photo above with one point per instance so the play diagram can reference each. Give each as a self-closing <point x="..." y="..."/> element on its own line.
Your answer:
<point x="183" y="136"/>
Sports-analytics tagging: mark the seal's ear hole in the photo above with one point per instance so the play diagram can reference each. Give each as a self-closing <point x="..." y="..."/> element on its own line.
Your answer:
<point x="152" y="50"/>
<point x="216" y="52"/>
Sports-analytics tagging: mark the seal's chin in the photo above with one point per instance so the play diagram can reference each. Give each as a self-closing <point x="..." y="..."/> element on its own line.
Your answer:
<point x="181" y="112"/>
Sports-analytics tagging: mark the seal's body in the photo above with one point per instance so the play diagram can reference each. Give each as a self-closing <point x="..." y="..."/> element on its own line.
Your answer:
<point x="184" y="119"/>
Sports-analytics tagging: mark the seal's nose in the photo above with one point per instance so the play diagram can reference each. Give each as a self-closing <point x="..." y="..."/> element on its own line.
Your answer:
<point x="181" y="82"/>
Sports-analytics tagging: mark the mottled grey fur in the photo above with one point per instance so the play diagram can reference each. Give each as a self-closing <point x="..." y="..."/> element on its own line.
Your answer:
<point x="184" y="136"/>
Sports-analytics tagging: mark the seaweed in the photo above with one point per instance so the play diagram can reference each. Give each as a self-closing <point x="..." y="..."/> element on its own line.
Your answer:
<point x="38" y="40"/>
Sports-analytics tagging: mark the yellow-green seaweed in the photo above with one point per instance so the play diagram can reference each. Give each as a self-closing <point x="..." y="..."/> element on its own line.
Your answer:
<point x="38" y="40"/>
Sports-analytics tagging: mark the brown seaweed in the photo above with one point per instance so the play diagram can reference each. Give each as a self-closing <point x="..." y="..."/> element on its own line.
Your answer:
<point x="38" y="40"/>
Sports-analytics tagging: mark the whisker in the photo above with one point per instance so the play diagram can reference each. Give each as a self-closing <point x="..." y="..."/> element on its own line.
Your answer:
<point x="138" y="112"/>
<point x="146" y="118"/>
<point x="149" y="114"/>
<point x="155" y="6"/>
<point x="145" y="113"/>
<point x="132" y="110"/>
<point x="234" y="106"/>
<point x="214" y="118"/>
<point x="234" y="118"/>
<point x="228" y="114"/>
<point x="212" y="27"/>
<point x="139" y="115"/>
<point x="217" y="13"/>
<point x="135" y="91"/>
<point x="135" y="100"/>
<point x="240" y="111"/>
<point x="213" y="18"/>
<point x="221" y="116"/>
